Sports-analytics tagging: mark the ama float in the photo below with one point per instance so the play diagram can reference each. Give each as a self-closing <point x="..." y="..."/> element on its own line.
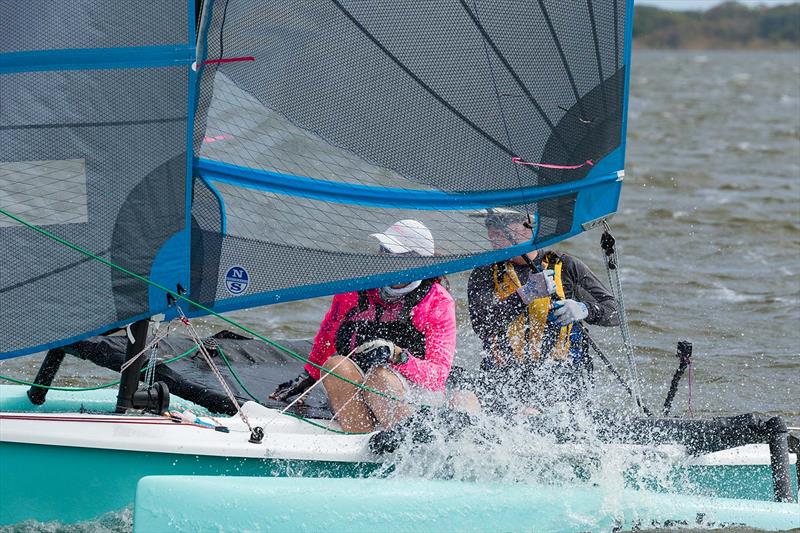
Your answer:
<point x="162" y="161"/>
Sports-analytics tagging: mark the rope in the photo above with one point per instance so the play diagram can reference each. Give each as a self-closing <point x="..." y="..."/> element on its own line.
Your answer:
<point x="284" y="411"/>
<point x="612" y="269"/>
<point x="98" y="387"/>
<point x="233" y="373"/>
<point x="180" y="297"/>
<point x="149" y="377"/>
<point x="150" y="345"/>
<point x="214" y="369"/>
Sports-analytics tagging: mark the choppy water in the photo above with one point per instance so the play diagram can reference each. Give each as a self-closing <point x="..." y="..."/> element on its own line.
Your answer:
<point x="708" y="231"/>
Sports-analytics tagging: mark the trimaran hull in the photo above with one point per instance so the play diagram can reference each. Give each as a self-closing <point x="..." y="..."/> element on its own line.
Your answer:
<point x="81" y="465"/>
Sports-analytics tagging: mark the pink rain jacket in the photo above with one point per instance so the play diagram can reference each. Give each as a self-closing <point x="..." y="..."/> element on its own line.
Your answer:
<point x="434" y="316"/>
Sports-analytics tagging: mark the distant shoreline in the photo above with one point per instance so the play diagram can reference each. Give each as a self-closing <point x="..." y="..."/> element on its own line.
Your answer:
<point x="729" y="26"/>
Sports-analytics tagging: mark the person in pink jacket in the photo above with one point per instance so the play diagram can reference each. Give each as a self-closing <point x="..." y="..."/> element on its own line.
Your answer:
<point x="399" y="340"/>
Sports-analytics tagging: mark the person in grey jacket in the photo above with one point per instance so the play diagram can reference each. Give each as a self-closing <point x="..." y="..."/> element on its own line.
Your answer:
<point x="529" y="312"/>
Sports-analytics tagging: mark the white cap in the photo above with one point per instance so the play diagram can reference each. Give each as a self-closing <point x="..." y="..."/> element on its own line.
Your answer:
<point x="407" y="236"/>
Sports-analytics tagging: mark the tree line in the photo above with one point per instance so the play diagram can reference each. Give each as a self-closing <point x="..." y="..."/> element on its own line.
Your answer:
<point x="730" y="25"/>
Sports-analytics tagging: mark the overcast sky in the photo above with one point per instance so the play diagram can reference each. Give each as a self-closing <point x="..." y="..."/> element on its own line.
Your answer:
<point x="705" y="4"/>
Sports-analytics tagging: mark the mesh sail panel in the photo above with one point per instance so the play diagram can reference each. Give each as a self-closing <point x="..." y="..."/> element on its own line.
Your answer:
<point x="322" y="122"/>
<point x="441" y="94"/>
<point x="42" y="25"/>
<point x="93" y="152"/>
<point x="286" y="243"/>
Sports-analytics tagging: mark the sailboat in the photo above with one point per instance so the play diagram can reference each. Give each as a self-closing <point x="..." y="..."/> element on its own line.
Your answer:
<point x="164" y="161"/>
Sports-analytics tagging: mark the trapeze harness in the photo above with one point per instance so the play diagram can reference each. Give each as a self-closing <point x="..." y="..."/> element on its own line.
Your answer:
<point x="365" y="322"/>
<point x="533" y="335"/>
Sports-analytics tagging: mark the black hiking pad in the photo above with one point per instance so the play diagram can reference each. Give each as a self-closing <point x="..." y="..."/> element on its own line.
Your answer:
<point x="259" y="366"/>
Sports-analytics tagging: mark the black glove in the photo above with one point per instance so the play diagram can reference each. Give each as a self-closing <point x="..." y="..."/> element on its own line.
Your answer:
<point x="372" y="357"/>
<point x="288" y="389"/>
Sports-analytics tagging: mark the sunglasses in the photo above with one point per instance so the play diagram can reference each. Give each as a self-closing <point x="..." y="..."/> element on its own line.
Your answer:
<point x="385" y="251"/>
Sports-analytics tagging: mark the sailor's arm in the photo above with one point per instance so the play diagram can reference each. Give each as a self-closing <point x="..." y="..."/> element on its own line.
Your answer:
<point x="438" y="323"/>
<point x="325" y="340"/>
<point x="589" y="290"/>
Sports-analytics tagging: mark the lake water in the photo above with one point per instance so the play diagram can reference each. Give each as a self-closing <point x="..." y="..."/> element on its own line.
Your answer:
<point x="708" y="231"/>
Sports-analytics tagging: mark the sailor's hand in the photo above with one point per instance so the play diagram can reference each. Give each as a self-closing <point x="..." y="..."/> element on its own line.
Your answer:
<point x="569" y="311"/>
<point x="399" y="356"/>
<point x="539" y="285"/>
<point x="288" y="389"/>
<point x="373" y="353"/>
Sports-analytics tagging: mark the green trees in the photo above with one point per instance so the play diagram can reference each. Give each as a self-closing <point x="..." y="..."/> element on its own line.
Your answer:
<point x="729" y="25"/>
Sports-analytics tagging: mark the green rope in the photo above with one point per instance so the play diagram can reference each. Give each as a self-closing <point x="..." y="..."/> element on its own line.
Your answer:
<point x="293" y="415"/>
<point x="98" y="387"/>
<point x="180" y="297"/>
<point x="235" y="375"/>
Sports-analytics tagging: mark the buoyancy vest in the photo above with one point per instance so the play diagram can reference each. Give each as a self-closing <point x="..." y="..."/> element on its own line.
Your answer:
<point x="532" y="334"/>
<point x="366" y="322"/>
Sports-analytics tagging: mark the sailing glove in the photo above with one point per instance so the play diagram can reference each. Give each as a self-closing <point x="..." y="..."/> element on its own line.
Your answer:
<point x="569" y="311"/>
<point x="373" y="353"/>
<point x="288" y="389"/>
<point x="539" y="285"/>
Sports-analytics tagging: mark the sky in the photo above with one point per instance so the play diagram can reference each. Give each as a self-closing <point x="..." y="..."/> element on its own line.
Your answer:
<point x="705" y="4"/>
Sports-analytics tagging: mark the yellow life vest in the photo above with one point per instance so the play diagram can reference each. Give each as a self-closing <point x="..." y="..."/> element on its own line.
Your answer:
<point x="526" y="332"/>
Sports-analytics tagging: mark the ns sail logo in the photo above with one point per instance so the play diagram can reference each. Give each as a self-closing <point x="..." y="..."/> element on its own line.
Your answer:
<point x="236" y="280"/>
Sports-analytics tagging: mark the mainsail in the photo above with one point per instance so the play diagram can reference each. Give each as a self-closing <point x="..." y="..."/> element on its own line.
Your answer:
<point x="253" y="168"/>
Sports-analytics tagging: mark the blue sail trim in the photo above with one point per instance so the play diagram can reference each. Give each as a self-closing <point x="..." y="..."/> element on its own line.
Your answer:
<point x="365" y="195"/>
<point x="97" y="58"/>
<point x="627" y="92"/>
<point x="191" y="106"/>
<point x="76" y="338"/>
<point x="312" y="291"/>
<point x="221" y="201"/>
<point x="341" y="286"/>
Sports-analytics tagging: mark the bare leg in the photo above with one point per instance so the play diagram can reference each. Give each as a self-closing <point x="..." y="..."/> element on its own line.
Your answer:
<point x="388" y="412"/>
<point x="347" y="402"/>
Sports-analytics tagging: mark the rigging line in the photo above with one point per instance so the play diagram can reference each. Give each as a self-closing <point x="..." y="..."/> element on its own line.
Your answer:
<point x="616" y="289"/>
<point x="284" y="411"/>
<point x="597" y="54"/>
<point x="502" y="114"/>
<point x="214" y="369"/>
<point x="514" y="74"/>
<point x="156" y="339"/>
<point x="221" y="30"/>
<point x="301" y="396"/>
<point x="563" y="56"/>
<point x="219" y="350"/>
<point x="421" y="83"/>
<point x="181" y="297"/>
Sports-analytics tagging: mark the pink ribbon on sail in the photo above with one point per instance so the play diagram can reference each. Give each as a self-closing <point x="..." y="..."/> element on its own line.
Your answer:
<point x="228" y="60"/>
<point x="520" y="161"/>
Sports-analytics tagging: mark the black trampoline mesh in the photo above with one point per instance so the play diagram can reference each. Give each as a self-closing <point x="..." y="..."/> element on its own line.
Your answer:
<point x="426" y="96"/>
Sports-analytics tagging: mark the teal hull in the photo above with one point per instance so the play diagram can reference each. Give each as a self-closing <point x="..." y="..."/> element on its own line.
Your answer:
<point x="177" y="504"/>
<point x="74" y="484"/>
<point x="71" y="484"/>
